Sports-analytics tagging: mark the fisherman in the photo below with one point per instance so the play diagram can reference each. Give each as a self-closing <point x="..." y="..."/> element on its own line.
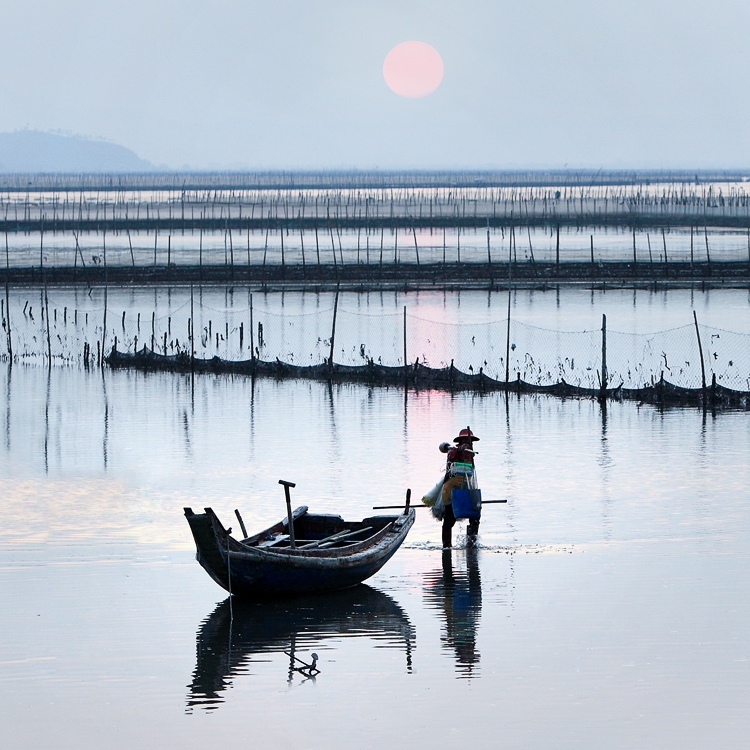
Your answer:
<point x="459" y="474"/>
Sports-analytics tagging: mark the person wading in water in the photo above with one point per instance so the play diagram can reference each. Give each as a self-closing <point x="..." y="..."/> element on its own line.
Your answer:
<point x="459" y="474"/>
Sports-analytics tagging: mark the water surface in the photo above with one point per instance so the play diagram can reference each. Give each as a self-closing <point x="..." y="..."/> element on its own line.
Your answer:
<point x="607" y="604"/>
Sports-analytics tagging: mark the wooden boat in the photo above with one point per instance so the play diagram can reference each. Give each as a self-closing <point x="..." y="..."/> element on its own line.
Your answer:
<point x="323" y="553"/>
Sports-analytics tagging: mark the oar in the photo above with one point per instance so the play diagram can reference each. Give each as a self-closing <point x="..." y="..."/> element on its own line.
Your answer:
<point x="394" y="507"/>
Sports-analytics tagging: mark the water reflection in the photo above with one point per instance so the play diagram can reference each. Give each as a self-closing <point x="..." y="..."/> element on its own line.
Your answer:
<point x="236" y="633"/>
<point x="457" y="594"/>
<point x="605" y="463"/>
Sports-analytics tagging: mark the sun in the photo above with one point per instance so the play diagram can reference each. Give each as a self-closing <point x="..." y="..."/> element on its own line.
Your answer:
<point x="413" y="69"/>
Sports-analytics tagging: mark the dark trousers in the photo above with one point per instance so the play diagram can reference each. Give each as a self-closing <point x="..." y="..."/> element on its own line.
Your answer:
<point x="449" y="521"/>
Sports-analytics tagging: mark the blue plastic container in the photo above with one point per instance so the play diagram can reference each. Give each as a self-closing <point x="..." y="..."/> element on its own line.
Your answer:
<point x="466" y="503"/>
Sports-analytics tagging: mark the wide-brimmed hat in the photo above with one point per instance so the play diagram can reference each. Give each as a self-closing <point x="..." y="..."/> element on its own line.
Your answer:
<point x="465" y="435"/>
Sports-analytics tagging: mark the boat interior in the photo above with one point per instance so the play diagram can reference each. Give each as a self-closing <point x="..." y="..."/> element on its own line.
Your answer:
<point x="318" y="532"/>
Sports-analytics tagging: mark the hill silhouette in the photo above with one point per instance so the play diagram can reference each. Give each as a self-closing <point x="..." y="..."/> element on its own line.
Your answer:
<point x="36" y="151"/>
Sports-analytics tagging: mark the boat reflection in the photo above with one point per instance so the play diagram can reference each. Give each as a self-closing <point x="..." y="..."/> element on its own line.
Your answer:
<point x="237" y="634"/>
<point x="457" y="593"/>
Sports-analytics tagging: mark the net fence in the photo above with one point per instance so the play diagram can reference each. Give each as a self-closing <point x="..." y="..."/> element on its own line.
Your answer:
<point x="43" y="328"/>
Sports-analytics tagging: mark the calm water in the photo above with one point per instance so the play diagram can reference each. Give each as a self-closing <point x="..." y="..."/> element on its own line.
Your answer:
<point x="607" y="606"/>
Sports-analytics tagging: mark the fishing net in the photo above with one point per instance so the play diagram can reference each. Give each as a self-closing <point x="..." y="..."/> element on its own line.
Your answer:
<point x="43" y="326"/>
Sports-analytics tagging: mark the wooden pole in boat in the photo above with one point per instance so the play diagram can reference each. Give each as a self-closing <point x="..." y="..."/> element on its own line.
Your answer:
<point x="242" y="525"/>
<point x="401" y="507"/>
<point x="287" y="485"/>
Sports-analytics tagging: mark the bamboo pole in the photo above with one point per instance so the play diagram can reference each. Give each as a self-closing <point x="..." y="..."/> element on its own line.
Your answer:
<point x="708" y="252"/>
<point x="489" y="252"/>
<point x="302" y="244"/>
<point x="252" y="332"/>
<point x="405" y="359"/>
<point x="132" y="257"/>
<point x="192" y="330"/>
<point x="49" y="339"/>
<point x="7" y="298"/>
<point x="700" y="352"/>
<point x="604" y="355"/>
<point x="692" y="254"/>
<point x="510" y="287"/>
<point x="333" y="328"/>
<point x="104" y="326"/>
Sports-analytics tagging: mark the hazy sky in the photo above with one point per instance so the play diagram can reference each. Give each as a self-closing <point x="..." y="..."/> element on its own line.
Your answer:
<point x="292" y="84"/>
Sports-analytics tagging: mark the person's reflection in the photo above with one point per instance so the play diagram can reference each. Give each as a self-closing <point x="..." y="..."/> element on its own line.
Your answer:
<point x="458" y="593"/>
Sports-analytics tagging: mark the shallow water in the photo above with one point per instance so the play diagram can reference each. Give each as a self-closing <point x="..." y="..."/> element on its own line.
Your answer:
<point x="608" y="603"/>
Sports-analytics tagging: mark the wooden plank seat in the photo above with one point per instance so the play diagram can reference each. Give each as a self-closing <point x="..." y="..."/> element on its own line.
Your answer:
<point x="342" y="537"/>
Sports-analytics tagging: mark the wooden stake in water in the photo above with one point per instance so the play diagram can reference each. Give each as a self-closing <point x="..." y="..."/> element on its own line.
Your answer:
<point x="708" y="253"/>
<point x="700" y="352"/>
<point x="333" y="327"/>
<point x="604" y="353"/>
<point x="192" y="329"/>
<point x="252" y="332"/>
<point x="510" y="289"/>
<point x="692" y="256"/>
<point x="104" y="325"/>
<point x="46" y="315"/>
<point x="405" y="359"/>
<point x="7" y="297"/>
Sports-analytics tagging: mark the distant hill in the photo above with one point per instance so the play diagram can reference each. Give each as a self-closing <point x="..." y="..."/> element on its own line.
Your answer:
<point x="34" y="151"/>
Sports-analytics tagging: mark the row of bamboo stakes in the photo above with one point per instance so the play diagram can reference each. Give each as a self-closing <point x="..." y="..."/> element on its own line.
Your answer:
<point x="101" y="344"/>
